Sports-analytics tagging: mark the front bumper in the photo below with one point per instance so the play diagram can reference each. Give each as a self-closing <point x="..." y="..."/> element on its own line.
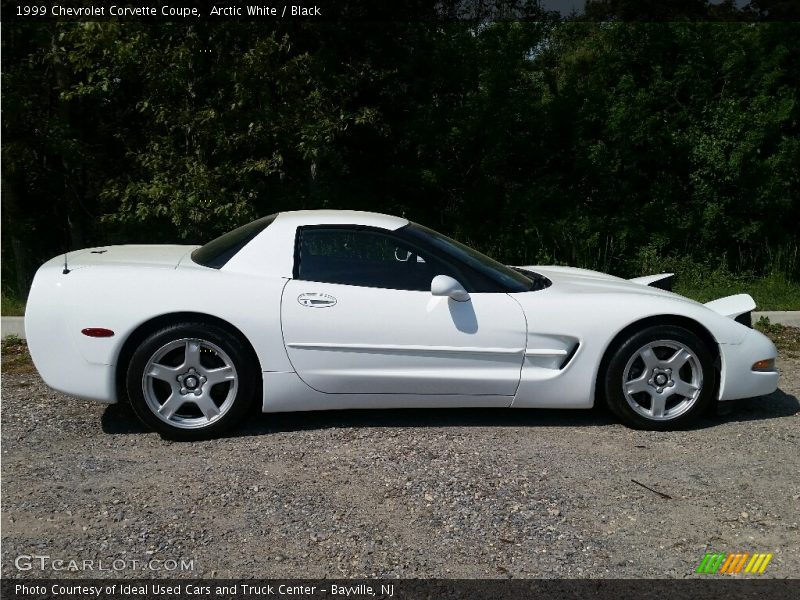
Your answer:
<point x="737" y="378"/>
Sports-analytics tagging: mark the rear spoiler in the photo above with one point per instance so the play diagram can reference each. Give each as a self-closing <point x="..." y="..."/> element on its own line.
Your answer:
<point x="738" y="307"/>
<point x="662" y="281"/>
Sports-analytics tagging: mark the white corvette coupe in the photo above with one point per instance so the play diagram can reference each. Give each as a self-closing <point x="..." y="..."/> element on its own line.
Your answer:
<point x="316" y="310"/>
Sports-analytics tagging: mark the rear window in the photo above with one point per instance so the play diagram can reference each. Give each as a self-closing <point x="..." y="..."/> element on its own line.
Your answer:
<point x="219" y="251"/>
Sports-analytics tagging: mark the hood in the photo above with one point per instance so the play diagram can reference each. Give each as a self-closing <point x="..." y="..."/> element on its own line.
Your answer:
<point x="574" y="280"/>
<point x="167" y="256"/>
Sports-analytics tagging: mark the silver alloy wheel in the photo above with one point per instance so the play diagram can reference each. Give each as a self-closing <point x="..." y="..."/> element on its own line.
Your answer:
<point x="189" y="383"/>
<point x="662" y="380"/>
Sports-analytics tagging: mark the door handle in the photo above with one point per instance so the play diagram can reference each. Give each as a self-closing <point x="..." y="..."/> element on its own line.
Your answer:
<point x="316" y="300"/>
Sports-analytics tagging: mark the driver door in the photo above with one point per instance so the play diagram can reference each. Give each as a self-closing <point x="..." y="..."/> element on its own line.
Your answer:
<point x="359" y="317"/>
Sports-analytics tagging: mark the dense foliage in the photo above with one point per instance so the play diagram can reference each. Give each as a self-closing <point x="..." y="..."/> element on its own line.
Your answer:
<point x="627" y="147"/>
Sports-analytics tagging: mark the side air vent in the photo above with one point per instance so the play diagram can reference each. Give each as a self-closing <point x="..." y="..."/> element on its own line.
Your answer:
<point x="569" y="356"/>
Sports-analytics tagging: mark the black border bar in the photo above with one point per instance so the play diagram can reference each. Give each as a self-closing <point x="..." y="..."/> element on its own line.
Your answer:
<point x="400" y="10"/>
<point x="706" y="588"/>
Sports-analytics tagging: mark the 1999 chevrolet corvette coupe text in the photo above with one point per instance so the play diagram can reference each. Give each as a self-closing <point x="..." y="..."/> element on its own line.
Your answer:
<point x="314" y="310"/>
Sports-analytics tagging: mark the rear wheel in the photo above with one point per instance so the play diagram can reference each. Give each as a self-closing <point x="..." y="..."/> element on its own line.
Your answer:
<point x="660" y="378"/>
<point x="191" y="380"/>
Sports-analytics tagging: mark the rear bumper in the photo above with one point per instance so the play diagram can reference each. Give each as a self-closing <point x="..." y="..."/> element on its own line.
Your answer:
<point x="54" y="350"/>
<point x="737" y="378"/>
<point x="83" y="380"/>
<point x="64" y="368"/>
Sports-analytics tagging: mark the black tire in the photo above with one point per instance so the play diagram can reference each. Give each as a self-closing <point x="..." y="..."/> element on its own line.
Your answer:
<point x="650" y="408"/>
<point x="208" y="351"/>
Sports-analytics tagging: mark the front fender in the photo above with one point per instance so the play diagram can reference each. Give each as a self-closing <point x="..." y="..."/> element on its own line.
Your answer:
<point x="594" y="318"/>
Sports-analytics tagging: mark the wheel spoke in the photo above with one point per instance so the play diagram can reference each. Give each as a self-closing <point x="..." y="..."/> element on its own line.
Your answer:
<point x="684" y="388"/>
<point x="638" y="385"/>
<point x="164" y="373"/>
<point x="678" y="359"/>
<point x="192" y="358"/>
<point x="206" y="404"/>
<point x="649" y="358"/>
<point x="659" y="402"/>
<point x="171" y="405"/>
<point x="220" y="375"/>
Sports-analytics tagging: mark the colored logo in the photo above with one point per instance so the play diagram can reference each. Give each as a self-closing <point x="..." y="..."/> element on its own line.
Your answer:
<point x="736" y="562"/>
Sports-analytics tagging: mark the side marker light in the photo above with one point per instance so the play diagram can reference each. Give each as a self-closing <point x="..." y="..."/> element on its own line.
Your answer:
<point x="97" y="332"/>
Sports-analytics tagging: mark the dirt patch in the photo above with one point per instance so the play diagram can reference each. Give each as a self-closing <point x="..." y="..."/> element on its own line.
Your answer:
<point x="15" y="357"/>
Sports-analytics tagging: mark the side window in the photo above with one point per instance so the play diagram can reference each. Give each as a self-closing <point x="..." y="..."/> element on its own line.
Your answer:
<point x="364" y="258"/>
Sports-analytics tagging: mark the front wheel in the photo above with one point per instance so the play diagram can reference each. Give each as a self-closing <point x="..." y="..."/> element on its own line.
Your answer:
<point x="191" y="380"/>
<point x="660" y="378"/>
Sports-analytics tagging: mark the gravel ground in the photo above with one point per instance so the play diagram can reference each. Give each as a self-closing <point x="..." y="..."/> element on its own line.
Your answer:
<point x="460" y="493"/>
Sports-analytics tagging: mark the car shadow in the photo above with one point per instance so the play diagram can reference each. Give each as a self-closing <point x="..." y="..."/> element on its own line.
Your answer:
<point x="777" y="404"/>
<point x="120" y="419"/>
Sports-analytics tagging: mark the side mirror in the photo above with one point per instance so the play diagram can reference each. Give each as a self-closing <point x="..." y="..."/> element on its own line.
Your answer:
<point x="442" y="285"/>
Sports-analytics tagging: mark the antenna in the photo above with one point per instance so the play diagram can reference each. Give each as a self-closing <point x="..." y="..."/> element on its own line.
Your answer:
<point x="66" y="251"/>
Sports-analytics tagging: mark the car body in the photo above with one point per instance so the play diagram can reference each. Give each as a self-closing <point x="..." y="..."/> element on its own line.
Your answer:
<point x="327" y="318"/>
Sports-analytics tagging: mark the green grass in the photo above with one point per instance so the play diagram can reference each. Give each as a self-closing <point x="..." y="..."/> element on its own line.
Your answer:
<point x="774" y="292"/>
<point x="11" y="307"/>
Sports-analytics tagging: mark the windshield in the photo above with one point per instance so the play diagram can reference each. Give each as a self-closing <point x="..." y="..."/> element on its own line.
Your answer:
<point x="219" y="251"/>
<point x="510" y="279"/>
